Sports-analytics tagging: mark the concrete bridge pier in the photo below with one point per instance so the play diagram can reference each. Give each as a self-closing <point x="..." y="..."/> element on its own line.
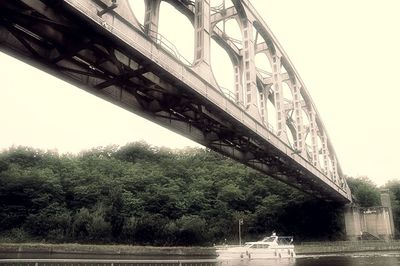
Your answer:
<point x="370" y="223"/>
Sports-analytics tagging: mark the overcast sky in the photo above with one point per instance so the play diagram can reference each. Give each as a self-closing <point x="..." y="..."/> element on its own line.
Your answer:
<point x="346" y="52"/>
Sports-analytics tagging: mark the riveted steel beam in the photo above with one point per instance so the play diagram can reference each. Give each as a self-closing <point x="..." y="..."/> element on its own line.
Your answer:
<point x="115" y="59"/>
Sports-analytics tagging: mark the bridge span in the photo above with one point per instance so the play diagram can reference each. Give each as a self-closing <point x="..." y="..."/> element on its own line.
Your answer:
<point x="100" y="46"/>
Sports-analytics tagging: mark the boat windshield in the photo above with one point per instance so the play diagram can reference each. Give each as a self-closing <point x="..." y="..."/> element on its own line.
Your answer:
<point x="259" y="246"/>
<point x="269" y="239"/>
<point x="285" y="240"/>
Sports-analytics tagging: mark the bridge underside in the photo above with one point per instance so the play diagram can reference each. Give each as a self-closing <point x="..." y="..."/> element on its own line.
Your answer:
<point x="74" y="49"/>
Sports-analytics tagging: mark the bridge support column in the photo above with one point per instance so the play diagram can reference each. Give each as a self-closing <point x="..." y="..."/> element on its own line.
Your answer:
<point x="314" y="138"/>
<point x="238" y="84"/>
<point x="335" y="175"/>
<point x="385" y="201"/>
<point x="325" y="154"/>
<point x="202" y="41"/>
<point x="251" y="94"/>
<point x="264" y="94"/>
<point x="298" y="116"/>
<point x="278" y="98"/>
<point x="202" y="32"/>
<point x="352" y="222"/>
<point x="151" y="19"/>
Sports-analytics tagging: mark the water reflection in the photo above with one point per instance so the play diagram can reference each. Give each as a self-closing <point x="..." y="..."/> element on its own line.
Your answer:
<point x="271" y="262"/>
<point x="371" y="260"/>
<point x="389" y="260"/>
<point x="348" y="261"/>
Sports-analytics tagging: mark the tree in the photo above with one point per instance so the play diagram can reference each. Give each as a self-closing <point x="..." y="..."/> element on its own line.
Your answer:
<point x="82" y="221"/>
<point x="116" y="214"/>
<point x="52" y="221"/>
<point x="364" y="191"/>
<point x="98" y="228"/>
<point x="148" y="195"/>
<point x="191" y="229"/>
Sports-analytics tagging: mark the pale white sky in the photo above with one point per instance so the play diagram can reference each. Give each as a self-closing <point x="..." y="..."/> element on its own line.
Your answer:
<point x="345" y="51"/>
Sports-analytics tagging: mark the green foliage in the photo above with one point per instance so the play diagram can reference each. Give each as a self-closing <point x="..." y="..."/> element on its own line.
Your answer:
<point x="52" y="219"/>
<point x="81" y="224"/>
<point x="146" y="195"/>
<point x="98" y="228"/>
<point x="364" y="191"/>
<point x="191" y="229"/>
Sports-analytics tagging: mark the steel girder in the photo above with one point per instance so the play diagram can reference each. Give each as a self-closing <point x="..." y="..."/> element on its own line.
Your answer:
<point x="93" y="53"/>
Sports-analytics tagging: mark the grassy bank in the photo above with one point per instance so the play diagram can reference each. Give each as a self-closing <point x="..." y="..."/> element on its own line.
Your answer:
<point x="105" y="249"/>
<point x="309" y="248"/>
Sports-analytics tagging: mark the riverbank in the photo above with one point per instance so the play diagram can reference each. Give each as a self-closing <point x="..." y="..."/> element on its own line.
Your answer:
<point x="75" y="248"/>
<point x="307" y="248"/>
<point x="337" y="247"/>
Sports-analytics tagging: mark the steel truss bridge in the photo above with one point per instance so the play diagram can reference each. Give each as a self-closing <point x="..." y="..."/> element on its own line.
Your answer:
<point x="100" y="46"/>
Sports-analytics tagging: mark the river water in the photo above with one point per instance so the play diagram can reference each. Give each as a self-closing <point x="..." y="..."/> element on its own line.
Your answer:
<point x="382" y="260"/>
<point x="365" y="260"/>
<point x="331" y="260"/>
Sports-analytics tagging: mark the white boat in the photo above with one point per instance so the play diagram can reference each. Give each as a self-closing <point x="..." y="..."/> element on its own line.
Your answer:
<point x="272" y="247"/>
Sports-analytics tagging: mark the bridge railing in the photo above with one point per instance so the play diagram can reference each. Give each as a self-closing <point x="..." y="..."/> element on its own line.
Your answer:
<point x="163" y="42"/>
<point x="231" y="97"/>
<point x="169" y="47"/>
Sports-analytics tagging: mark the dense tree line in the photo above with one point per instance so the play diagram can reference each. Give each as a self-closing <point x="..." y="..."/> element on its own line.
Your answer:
<point x="365" y="193"/>
<point x="141" y="194"/>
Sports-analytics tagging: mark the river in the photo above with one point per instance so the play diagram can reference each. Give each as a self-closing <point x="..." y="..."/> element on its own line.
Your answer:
<point x="381" y="260"/>
<point x="363" y="260"/>
<point x="331" y="260"/>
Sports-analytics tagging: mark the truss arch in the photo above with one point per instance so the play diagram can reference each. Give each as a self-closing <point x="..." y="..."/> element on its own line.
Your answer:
<point x="263" y="61"/>
<point x="138" y="9"/>
<point x="290" y="132"/>
<point x="242" y="51"/>
<point x="224" y="66"/>
<point x="170" y="37"/>
<point x="229" y="36"/>
<point x="112" y="56"/>
<point x="266" y="36"/>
